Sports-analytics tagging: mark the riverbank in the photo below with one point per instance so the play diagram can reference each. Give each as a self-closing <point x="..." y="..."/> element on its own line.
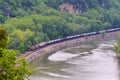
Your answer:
<point x="39" y="53"/>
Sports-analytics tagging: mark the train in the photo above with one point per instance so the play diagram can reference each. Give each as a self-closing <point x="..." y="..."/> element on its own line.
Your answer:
<point x="44" y="44"/>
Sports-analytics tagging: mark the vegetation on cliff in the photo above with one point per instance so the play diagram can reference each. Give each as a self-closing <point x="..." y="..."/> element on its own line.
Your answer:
<point x="117" y="46"/>
<point x="11" y="68"/>
<point x="33" y="21"/>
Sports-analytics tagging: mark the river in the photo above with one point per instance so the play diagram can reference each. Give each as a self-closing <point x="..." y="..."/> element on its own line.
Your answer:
<point x="96" y="61"/>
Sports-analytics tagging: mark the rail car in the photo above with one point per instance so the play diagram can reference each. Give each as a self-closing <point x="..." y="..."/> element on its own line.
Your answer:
<point x="112" y="30"/>
<point x="44" y="44"/>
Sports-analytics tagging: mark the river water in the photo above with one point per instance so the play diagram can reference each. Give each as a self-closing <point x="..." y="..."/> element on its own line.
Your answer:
<point x="95" y="61"/>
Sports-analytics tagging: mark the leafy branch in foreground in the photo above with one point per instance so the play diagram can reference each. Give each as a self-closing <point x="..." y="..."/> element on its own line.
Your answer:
<point x="11" y="68"/>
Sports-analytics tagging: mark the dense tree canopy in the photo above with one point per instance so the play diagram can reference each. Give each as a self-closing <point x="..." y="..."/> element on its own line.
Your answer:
<point x="29" y="22"/>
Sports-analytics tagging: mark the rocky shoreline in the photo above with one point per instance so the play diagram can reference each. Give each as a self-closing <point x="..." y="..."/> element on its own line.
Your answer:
<point x="50" y="49"/>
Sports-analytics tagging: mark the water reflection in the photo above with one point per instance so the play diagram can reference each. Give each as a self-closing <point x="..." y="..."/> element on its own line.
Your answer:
<point x="86" y="62"/>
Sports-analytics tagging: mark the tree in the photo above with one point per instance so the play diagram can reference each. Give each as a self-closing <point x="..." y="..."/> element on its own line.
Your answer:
<point x="3" y="39"/>
<point x="117" y="46"/>
<point x="11" y="68"/>
<point x="19" y="38"/>
<point x="2" y="19"/>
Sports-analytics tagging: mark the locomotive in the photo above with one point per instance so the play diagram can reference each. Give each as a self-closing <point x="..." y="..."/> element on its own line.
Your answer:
<point x="37" y="46"/>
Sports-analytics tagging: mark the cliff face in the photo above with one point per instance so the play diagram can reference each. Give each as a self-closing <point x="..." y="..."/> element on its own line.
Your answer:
<point x="81" y="6"/>
<point x="67" y="7"/>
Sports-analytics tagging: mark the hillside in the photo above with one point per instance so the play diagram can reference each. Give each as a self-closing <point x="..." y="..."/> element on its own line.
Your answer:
<point x="33" y="21"/>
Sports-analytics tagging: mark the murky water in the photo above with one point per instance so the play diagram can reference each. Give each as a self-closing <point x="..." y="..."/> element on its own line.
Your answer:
<point x="86" y="62"/>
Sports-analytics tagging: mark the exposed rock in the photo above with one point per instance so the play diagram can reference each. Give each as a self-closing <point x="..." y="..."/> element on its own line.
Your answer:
<point x="67" y="7"/>
<point x="70" y="8"/>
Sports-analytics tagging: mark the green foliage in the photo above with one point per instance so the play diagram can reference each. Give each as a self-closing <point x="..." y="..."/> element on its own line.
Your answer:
<point x="3" y="38"/>
<point x="2" y="19"/>
<point x="117" y="46"/>
<point x="11" y="68"/>
<point x="29" y="22"/>
<point x="53" y="3"/>
<point x="18" y="37"/>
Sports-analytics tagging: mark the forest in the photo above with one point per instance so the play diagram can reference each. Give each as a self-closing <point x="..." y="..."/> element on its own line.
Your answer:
<point x="29" y="22"/>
